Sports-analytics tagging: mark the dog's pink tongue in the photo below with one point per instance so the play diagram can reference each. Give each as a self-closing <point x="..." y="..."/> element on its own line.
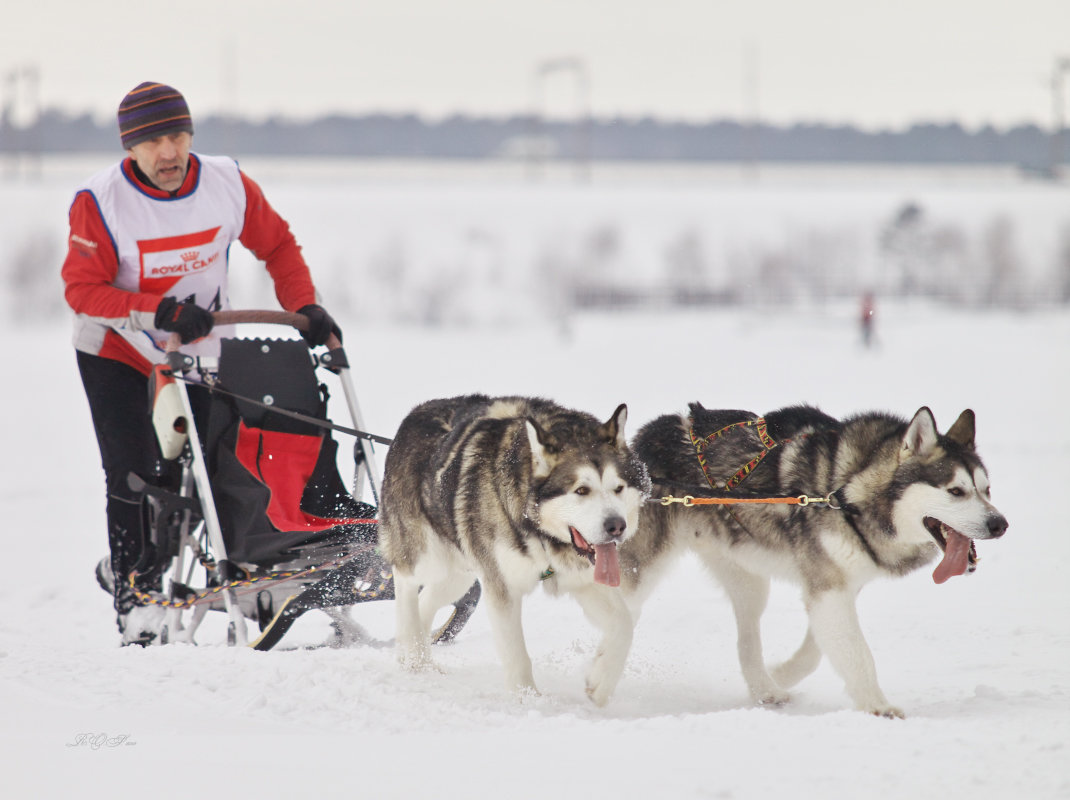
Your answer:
<point x="956" y="556"/>
<point x="606" y="564"/>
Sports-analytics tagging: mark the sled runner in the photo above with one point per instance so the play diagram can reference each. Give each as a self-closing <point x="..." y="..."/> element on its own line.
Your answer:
<point x="262" y="526"/>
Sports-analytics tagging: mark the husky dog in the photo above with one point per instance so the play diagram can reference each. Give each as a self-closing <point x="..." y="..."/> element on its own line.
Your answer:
<point x="512" y="491"/>
<point x="897" y="494"/>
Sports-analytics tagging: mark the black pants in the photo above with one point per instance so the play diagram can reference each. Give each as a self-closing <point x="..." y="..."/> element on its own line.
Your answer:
<point x="119" y="404"/>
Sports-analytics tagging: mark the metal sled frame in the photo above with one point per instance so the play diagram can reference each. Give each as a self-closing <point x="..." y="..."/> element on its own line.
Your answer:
<point x="195" y="478"/>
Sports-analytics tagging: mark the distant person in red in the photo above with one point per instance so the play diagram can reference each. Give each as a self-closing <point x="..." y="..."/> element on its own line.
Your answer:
<point x="147" y="257"/>
<point x="866" y="318"/>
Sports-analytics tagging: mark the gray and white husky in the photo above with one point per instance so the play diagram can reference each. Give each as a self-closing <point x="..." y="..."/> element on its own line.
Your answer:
<point x="899" y="493"/>
<point x="515" y="492"/>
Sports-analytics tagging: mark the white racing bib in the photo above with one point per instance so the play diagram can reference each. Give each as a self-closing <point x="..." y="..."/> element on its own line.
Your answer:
<point x="173" y="246"/>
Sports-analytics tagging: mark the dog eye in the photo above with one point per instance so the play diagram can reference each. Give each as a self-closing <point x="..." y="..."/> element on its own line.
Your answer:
<point x="619" y="489"/>
<point x="583" y="490"/>
<point x="955" y="491"/>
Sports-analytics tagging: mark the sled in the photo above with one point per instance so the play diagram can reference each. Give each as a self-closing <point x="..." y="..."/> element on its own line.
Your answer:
<point x="262" y="527"/>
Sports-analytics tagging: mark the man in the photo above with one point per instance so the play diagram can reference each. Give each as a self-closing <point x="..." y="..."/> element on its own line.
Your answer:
<point x="147" y="257"/>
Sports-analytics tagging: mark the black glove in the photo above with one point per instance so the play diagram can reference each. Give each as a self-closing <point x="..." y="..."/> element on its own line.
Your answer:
<point x="320" y="325"/>
<point x="188" y="320"/>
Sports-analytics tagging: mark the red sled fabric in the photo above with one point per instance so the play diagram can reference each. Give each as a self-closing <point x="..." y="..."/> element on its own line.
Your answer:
<point x="284" y="462"/>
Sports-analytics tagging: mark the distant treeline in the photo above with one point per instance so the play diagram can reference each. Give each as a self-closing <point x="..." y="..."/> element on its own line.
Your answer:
<point x="411" y="136"/>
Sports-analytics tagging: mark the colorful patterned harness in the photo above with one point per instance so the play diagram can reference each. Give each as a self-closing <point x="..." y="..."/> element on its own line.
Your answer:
<point x="768" y="443"/>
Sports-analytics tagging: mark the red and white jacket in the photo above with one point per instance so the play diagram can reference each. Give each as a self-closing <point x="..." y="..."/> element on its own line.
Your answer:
<point x="132" y="244"/>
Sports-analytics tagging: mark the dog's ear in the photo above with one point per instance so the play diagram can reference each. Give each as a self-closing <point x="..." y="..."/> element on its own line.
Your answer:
<point x="920" y="438"/>
<point x="963" y="431"/>
<point x="613" y="429"/>
<point x="541" y="450"/>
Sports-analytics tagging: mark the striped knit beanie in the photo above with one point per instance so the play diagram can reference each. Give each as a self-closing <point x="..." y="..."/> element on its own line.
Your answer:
<point x="151" y="110"/>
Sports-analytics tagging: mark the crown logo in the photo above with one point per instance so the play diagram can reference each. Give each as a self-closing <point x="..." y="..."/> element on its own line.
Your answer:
<point x="190" y="255"/>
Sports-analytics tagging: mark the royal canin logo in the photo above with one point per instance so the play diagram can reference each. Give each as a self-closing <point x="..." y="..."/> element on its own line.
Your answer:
<point x="191" y="262"/>
<point x="170" y="257"/>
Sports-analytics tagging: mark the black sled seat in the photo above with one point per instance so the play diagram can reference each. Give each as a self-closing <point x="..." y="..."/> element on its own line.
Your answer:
<point x="277" y="490"/>
<point x="291" y="529"/>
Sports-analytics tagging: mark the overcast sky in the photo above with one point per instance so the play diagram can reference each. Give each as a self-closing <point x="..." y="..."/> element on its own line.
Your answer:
<point x="872" y="63"/>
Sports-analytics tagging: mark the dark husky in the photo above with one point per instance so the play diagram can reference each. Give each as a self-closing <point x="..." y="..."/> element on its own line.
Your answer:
<point x="899" y="493"/>
<point x="512" y="491"/>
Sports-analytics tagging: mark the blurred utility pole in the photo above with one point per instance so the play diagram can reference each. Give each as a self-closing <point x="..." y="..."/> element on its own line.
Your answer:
<point x="577" y="69"/>
<point x="1062" y="68"/>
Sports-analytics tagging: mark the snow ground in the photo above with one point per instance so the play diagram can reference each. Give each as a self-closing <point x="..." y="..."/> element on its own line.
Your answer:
<point x="981" y="664"/>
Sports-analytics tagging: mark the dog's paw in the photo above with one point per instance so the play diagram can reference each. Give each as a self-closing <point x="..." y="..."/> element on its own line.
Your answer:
<point x="772" y="699"/>
<point x="526" y="694"/>
<point x="600" y="683"/>
<point x="417" y="659"/>
<point x="606" y="670"/>
<point x="888" y="712"/>
<point x="598" y="695"/>
<point x="429" y="666"/>
<point x="600" y="687"/>
<point x="764" y="690"/>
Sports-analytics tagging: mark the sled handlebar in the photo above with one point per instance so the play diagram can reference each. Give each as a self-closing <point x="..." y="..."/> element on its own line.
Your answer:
<point x="293" y="319"/>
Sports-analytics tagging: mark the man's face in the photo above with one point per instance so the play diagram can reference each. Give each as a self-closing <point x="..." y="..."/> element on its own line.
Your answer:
<point x="164" y="159"/>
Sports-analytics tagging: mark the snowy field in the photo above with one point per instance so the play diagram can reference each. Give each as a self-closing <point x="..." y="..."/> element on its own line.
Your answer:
<point x="980" y="665"/>
<point x="478" y="243"/>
